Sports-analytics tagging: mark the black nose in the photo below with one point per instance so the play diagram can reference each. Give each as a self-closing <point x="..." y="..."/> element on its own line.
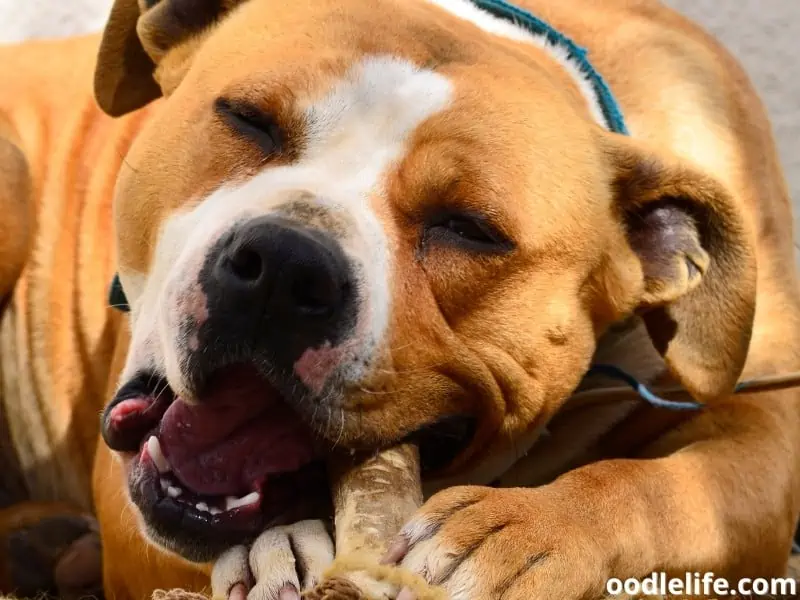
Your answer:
<point x="278" y="284"/>
<point x="295" y="273"/>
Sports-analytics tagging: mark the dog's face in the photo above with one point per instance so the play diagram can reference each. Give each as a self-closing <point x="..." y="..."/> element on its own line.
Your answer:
<point x="341" y="230"/>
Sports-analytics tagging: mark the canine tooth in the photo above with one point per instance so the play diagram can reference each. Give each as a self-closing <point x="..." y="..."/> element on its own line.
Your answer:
<point x="201" y="506"/>
<point x="174" y="492"/>
<point x="164" y="484"/>
<point x="214" y="510"/>
<point x="154" y="450"/>
<point x="232" y="502"/>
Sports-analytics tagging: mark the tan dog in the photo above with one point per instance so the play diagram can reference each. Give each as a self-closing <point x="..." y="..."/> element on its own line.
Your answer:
<point x="351" y="223"/>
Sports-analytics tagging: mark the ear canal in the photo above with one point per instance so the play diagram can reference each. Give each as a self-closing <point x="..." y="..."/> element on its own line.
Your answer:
<point x="666" y="236"/>
<point x="698" y="266"/>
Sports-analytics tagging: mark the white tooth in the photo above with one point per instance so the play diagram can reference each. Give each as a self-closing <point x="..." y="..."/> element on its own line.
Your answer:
<point x="232" y="502"/>
<point x="154" y="450"/>
<point x="164" y="484"/>
<point x="174" y="492"/>
<point x="201" y="506"/>
<point x="251" y="498"/>
<point x="214" y="510"/>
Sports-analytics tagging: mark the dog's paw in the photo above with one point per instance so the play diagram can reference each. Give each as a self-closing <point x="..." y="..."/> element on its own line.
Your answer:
<point x="483" y="543"/>
<point x="55" y="555"/>
<point x="281" y="563"/>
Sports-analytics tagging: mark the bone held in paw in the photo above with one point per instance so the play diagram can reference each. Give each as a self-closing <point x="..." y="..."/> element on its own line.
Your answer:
<point x="373" y="497"/>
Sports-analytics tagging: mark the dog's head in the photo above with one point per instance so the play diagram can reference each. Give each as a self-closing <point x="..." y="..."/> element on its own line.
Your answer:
<point x="351" y="223"/>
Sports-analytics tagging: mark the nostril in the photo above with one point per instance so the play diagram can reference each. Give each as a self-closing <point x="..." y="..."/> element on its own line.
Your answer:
<point x="311" y="300"/>
<point x="246" y="264"/>
<point x="317" y="298"/>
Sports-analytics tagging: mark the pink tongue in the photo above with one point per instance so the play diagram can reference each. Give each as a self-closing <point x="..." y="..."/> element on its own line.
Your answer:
<point x="235" y="438"/>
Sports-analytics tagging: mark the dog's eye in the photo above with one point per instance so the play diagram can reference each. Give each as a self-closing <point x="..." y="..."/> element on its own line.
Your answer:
<point x="466" y="231"/>
<point x="469" y="230"/>
<point x="252" y="123"/>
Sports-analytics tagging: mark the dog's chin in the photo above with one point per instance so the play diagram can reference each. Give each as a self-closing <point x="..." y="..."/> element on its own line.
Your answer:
<point x="216" y="473"/>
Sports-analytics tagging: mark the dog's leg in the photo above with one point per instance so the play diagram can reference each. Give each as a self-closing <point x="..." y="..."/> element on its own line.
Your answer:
<point x="49" y="549"/>
<point x="720" y="494"/>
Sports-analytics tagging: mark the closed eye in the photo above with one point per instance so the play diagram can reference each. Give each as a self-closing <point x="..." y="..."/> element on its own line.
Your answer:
<point x="251" y="123"/>
<point x="466" y="231"/>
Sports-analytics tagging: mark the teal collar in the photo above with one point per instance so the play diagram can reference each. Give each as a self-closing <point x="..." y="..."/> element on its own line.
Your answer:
<point x="577" y="56"/>
<point x="116" y="295"/>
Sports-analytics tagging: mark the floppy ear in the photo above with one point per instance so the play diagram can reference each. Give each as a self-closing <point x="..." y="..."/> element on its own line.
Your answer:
<point x="141" y="37"/>
<point x="697" y="264"/>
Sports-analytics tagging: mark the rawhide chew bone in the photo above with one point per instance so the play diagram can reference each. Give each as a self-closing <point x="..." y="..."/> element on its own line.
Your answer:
<point x="372" y="499"/>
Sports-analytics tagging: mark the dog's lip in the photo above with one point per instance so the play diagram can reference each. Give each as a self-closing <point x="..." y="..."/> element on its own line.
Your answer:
<point x="135" y="411"/>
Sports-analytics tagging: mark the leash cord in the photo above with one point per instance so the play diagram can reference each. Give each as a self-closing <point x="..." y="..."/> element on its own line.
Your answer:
<point x="634" y="387"/>
<point x="638" y="388"/>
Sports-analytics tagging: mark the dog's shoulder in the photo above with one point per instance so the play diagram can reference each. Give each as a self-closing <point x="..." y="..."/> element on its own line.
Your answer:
<point x="53" y="70"/>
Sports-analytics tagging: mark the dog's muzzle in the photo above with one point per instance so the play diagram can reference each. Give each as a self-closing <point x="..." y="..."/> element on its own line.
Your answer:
<point x="236" y="449"/>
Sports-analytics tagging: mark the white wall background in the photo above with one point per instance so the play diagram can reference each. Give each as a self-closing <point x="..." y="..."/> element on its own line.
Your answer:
<point x="764" y="34"/>
<point x="21" y="19"/>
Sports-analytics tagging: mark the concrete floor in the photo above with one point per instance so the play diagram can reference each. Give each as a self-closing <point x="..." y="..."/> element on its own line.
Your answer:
<point x="763" y="34"/>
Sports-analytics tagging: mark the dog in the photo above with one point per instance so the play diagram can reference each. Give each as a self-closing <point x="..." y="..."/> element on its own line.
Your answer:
<point x="346" y="224"/>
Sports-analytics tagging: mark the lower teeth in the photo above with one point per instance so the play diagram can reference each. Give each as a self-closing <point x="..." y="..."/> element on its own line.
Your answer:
<point x="231" y="502"/>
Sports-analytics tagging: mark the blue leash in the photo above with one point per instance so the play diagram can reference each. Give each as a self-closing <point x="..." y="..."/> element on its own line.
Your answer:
<point x="641" y="389"/>
<point x="749" y="385"/>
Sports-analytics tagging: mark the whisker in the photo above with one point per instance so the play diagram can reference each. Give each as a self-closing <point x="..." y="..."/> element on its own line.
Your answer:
<point x="163" y="389"/>
<point x="411" y="370"/>
<point x="341" y="428"/>
<point x="398" y="348"/>
<point x="380" y="392"/>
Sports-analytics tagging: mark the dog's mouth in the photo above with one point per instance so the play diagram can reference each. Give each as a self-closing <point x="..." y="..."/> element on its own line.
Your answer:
<point x="216" y="473"/>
